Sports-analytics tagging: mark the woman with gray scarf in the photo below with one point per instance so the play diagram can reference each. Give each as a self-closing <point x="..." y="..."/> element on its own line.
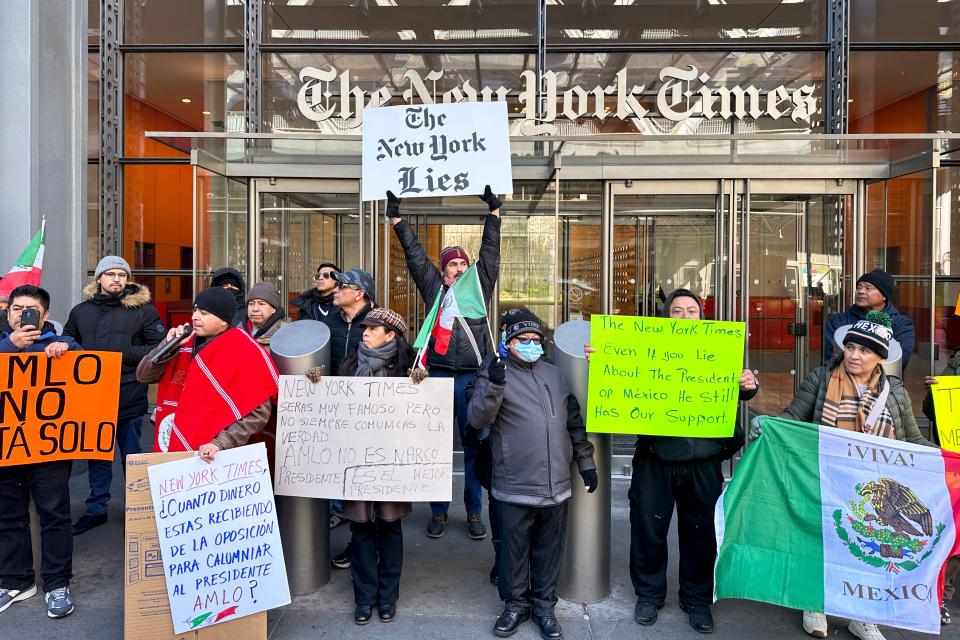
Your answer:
<point x="376" y="546"/>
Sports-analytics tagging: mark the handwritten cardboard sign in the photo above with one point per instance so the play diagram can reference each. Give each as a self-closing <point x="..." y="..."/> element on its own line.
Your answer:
<point x="661" y="376"/>
<point x="58" y="408"/>
<point x="219" y="541"/>
<point x="423" y="151"/>
<point x="946" y="404"/>
<point x="379" y="439"/>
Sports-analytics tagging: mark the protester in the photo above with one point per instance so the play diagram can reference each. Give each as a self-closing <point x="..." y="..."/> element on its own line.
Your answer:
<point x="536" y="433"/>
<point x="232" y="280"/>
<point x="953" y="563"/>
<point x="852" y="392"/>
<point x="46" y="483"/>
<point x="684" y="473"/>
<point x="317" y="303"/>
<point x="376" y="545"/>
<point x="116" y="315"/>
<point x="265" y="314"/>
<point x="469" y="343"/>
<point x="874" y="292"/>
<point x="216" y="374"/>
<point x="354" y="298"/>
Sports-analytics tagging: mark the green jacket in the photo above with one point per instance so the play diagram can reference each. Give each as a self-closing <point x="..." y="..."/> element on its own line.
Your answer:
<point x="953" y="365"/>
<point x="807" y="404"/>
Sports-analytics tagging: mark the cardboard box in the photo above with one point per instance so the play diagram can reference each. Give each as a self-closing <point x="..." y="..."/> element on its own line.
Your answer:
<point x="146" y="611"/>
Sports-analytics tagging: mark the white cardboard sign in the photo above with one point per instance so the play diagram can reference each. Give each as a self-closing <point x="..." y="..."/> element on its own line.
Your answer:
<point x="433" y="150"/>
<point x="375" y="439"/>
<point x="219" y="541"/>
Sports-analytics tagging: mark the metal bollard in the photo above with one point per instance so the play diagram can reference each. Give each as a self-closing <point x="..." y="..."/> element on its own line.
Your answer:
<point x="304" y="522"/>
<point x="585" y="572"/>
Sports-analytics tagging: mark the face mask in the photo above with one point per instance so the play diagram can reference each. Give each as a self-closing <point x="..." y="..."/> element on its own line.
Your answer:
<point x="502" y="347"/>
<point x="529" y="352"/>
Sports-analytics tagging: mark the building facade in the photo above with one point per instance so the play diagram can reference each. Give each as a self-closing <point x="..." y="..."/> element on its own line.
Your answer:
<point x="608" y="213"/>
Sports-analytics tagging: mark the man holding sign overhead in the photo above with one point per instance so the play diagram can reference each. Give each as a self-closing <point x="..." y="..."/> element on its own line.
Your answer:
<point x="681" y="379"/>
<point x="458" y="338"/>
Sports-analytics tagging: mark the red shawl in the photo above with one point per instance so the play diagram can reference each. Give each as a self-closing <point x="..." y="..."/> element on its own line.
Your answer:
<point x="199" y="396"/>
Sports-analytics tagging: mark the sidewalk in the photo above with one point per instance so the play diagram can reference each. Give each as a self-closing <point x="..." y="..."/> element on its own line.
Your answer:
<point x="444" y="593"/>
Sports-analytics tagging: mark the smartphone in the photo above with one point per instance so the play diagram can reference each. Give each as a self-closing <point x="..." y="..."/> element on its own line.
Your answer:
<point x="30" y="318"/>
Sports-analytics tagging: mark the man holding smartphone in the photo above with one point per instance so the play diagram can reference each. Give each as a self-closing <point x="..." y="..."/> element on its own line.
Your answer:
<point x="48" y="483"/>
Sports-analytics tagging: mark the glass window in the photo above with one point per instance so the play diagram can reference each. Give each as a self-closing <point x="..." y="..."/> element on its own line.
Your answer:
<point x="158" y="216"/>
<point x="221" y="222"/>
<point x="644" y="21"/>
<point x="318" y="102"/>
<point x="93" y="21"/>
<point x="180" y="92"/>
<point x="93" y="215"/>
<point x="183" y="21"/>
<point x="711" y="93"/>
<point x="400" y="21"/>
<point x="904" y="91"/>
<point x="93" y="105"/>
<point x="899" y="21"/>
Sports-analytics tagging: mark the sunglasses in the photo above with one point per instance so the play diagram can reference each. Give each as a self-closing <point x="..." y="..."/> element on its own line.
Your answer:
<point x="324" y="275"/>
<point x="530" y="341"/>
<point x="351" y="287"/>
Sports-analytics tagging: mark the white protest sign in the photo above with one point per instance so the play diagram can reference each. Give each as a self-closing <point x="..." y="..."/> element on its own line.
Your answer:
<point x="379" y="439"/>
<point x="422" y="151"/>
<point x="218" y="537"/>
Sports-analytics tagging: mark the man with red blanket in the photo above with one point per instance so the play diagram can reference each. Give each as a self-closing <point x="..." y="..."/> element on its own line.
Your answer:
<point x="214" y="391"/>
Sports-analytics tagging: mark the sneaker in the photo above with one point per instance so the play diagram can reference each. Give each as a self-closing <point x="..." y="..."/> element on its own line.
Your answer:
<point x="699" y="616"/>
<point x="475" y="527"/>
<point x="865" y="630"/>
<point x="944" y="614"/>
<point x="59" y="602"/>
<point x="9" y="596"/>
<point x="87" y="522"/>
<point x="815" y="624"/>
<point x="437" y="526"/>
<point x="342" y="559"/>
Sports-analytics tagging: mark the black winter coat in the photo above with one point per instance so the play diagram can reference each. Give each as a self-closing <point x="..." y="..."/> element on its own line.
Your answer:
<point x="128" y="324"/>
<point x="429" y="280"/>
<point x="314" y="305"/>
<point x="344" y="336"/>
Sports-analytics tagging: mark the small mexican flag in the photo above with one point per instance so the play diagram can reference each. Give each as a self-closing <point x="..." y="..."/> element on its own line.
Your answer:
<point x="463" y="299"/>
<point x="27" y="268"/>
<point x="841" y="522"/>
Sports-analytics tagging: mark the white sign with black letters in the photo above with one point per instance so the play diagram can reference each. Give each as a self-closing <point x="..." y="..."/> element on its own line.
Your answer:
<point x="377" y="439"/>
<point x="429" y="151"/>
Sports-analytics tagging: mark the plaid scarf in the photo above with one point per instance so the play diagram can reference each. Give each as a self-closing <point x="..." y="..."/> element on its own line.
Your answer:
<point x="845" y="408"/>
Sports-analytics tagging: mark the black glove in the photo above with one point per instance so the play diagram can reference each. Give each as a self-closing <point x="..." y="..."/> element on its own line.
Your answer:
<point x="497" y="371"/>
<point x="393" y="206"/>
<point x="493" y="202"/>
<point x="590" y="479"/>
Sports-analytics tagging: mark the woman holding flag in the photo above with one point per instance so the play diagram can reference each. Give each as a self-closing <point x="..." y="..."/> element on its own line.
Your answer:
<point x="455" y="336"/>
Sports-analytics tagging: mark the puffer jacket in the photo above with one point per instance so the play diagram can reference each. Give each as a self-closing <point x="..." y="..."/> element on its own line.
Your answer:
<point x="535" y="432"/>
<point x="903" y="331"/>
<point x="48" y="335"/>
<point x="344" y="336"/>
<point x="314" y="305"/>
<point x="460" y="355"/>
<point x="126" y="323"/>
<point x="807" y="404"/>
<point x="953" y="365"/>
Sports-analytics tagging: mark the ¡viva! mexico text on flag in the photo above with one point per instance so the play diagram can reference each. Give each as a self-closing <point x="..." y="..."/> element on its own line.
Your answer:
<point x="841" y="522"/>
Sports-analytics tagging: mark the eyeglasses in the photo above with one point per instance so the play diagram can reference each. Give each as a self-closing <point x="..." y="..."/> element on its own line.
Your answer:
<point x="324" y="275"/>
<point x="115" y="275"/>
<point x="530" y="341"/>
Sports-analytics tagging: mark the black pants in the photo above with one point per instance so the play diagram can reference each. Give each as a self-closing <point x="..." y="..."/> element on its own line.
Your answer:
<point x="655" y="487"/>
<point x="531" y="547"/>
<point x="49" y="485"/>
<point x="376" y="557"/>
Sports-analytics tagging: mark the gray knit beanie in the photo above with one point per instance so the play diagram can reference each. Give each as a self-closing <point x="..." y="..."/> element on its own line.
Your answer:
<point x="111" y="262"/>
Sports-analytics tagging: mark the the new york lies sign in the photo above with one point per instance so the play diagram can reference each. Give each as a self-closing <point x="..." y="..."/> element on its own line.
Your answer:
<point x="683" y="93"/>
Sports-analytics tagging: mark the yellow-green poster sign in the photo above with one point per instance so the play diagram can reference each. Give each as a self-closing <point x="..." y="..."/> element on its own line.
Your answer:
<point x="662" y="376"/>
<point x="946" y="404"/>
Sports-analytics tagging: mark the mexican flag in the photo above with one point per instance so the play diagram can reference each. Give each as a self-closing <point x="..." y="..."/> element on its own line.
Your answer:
<point x="848" y="524"/>
<point x="463" y="299"/>
<point x="27" y="268"/>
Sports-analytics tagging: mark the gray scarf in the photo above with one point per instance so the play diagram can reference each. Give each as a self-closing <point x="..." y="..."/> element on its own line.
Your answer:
<point x="371" y="362"/>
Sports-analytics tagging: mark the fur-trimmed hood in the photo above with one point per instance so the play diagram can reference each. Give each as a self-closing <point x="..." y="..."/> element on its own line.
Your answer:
<point x="135" y="295"/>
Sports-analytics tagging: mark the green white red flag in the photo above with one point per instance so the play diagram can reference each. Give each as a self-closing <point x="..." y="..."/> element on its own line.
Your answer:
<point x="464" y="299"/>
<point x="852" y="525"/>
<point x="28" y="267"/>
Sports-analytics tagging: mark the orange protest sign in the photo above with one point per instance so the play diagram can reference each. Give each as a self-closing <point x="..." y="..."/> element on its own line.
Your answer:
<point x="58" y="408"/>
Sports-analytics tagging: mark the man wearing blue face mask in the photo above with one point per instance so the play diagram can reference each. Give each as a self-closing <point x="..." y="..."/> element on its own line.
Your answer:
<point x="535" y="433"/>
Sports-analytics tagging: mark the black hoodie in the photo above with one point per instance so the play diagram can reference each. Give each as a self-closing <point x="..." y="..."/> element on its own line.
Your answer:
<point x="229" y="273"/>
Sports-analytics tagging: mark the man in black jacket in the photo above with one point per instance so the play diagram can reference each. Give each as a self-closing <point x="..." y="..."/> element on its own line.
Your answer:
<point x="469" y="343"/>
<point x="353" y="299"/>
<point x="317" y="303"/>
<point x="116" y="315"/>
